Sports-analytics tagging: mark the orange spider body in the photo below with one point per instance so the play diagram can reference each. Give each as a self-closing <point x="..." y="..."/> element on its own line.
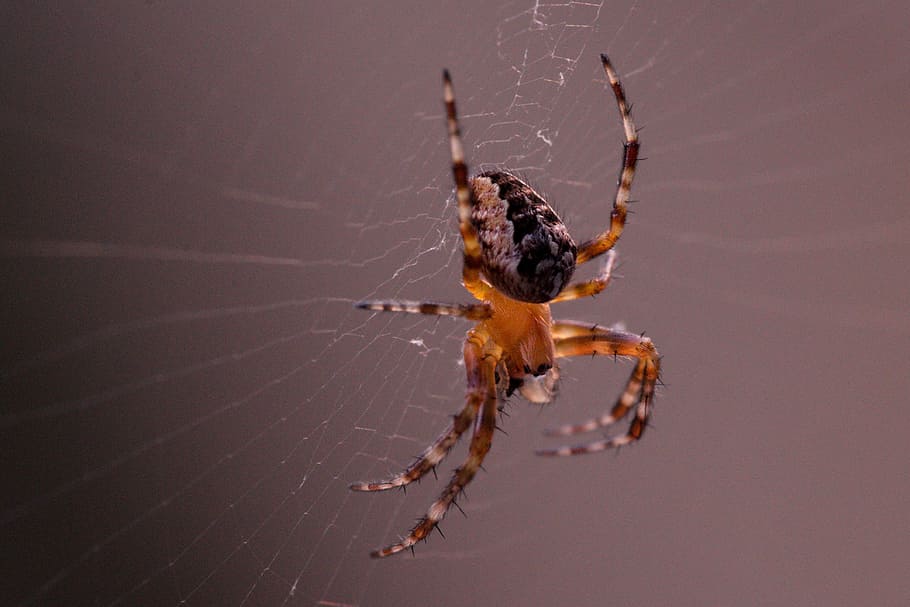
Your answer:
<point x="522" y="332"/>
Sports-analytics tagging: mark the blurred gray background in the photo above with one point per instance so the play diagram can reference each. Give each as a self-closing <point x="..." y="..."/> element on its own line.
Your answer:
<point x="194" y="197"/>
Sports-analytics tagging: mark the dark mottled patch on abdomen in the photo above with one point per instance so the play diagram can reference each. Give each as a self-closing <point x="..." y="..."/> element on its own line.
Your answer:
<point x="528" y="253"/>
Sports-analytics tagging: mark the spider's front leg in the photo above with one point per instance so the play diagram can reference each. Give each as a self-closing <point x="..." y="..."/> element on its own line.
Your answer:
<point x="480" y="363"/>
<point x="579" y="339"/>
<point x="435" y="453"/>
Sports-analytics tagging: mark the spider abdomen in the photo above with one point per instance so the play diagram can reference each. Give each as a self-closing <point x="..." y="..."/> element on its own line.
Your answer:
<point x="527" y="252"/>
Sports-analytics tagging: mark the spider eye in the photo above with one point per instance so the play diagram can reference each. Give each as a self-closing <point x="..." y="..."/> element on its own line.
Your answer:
<point x="527" y="252"/>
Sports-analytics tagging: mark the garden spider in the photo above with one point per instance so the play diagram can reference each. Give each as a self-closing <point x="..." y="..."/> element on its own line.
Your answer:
<point x="518" y="259"/>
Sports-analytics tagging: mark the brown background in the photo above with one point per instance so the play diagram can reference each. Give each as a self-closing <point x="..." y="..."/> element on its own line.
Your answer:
<point x="192" y="200"/>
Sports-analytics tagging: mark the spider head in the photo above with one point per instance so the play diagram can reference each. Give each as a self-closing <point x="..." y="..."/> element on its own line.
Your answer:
<point x="527" y="252"/>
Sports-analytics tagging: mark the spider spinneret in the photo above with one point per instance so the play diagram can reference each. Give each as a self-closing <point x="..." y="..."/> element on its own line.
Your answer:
<point x="518" y="259"/>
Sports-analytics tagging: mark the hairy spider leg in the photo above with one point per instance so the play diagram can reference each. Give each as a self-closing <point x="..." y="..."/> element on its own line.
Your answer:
<point x="481" y="358"/>
<point x="605" y="241"/>
<point x="591" y="287"/>
<point x="475" y="311"/>
<point x="470" y="273"/>
<point x="435" y="453"/>
<point x="577" y="339"/>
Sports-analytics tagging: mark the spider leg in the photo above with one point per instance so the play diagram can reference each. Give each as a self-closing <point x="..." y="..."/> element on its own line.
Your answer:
<point x="605" y="241"/>
<point x="470" y="273"/>
<point x="563" y="329"/>
<point x="577" y="339"/>
<point x="592" y="287"/>
<point x="482" y="395"/>
<point x="475" y="311"/>
<point x="435" y="453"/>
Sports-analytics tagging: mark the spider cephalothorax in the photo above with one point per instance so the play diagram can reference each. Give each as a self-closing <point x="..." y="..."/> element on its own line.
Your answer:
<point x="519" y="259"/>
<point x="527" y="251"/>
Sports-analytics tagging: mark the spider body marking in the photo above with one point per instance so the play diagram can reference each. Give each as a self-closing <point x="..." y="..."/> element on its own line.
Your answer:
<point x="526" y="250"/>
<point x="518" y="259"/>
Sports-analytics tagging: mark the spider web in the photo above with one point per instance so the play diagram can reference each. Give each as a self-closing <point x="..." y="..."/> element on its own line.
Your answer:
<point x="196" y="199"/>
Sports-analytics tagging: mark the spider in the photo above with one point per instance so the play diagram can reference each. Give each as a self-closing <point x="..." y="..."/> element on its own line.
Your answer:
<point x="518" y="259"/>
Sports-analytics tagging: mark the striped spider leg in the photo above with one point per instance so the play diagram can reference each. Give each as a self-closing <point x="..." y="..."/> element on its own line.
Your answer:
<point x="481" y="357"/>
<point x="605" y="241"/>
<point x="579" y="339"/>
